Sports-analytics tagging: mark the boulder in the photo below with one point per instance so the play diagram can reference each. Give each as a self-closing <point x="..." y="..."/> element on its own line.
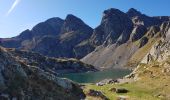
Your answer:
<point x="100" y="84"/>
<point x="122" y="98"/>
<point x="106" y="81"/>
<point x="95" y="93"/>
<point x="118" y="90"/>
<point x="112" y="89"/>
<point x="121" y="90"/>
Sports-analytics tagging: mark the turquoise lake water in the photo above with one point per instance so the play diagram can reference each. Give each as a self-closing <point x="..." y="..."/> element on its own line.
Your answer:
<point x="93" y="77"/>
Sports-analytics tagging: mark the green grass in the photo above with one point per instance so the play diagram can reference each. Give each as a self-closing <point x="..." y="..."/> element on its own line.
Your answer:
<point x="140" y="53"/>
<point x="146" y="88"/>
<point x="136" y="92"/>
<point x="153" y="84"/>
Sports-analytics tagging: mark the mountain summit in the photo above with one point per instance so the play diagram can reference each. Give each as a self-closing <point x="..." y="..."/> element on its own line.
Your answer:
<point x="116" y="42"/>
<point x="115" y="27"/>
<point x="56" y="35"/>
<point x="133" y="12"/>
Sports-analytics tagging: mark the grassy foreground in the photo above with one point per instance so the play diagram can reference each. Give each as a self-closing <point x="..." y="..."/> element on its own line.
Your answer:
<point x="136" y="91"/>
<point x="152" y="84"/>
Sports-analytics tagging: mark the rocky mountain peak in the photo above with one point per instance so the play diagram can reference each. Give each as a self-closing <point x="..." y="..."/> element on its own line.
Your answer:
<point x="73" y="23"/>
<point x="114" y="24"/>
<point x="57" y="20"/>
<point x="111" y="14"/>
<point x="56" y="23"/>
<point x="71" y="17"/>
<point x="133" y="12"/>
<point x="50" y="27"/>
<point x="141" y="19"/>
<point x="111" y="11"/>
<point x="25" y="35"/>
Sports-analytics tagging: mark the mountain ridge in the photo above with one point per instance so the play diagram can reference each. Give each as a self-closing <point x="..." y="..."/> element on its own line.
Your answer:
<point x="72" y="38"/>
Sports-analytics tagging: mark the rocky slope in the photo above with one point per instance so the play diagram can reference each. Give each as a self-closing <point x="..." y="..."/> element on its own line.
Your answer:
<point x="115" y="26"/>
<point x="52" y="65"/>
<point x="149" y="80"/>
<point x="139" y="32"/>
<point x="154" y="69"/>
<point x="19" y="81"/>
<point x="121" y="39"/>
<point x="55" y="38"/>
<point x="158" y="54"/>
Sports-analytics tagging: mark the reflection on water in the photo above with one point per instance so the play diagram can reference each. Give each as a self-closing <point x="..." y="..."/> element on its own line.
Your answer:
<point x="93" y="77"/>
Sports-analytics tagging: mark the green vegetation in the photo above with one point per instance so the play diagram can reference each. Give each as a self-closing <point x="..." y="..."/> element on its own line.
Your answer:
<point x="152" y="83"/>
<point x="139" y="54"/>
<point x="136" y="91"/>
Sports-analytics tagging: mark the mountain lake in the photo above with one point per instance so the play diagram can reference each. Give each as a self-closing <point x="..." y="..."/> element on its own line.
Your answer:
<point x="93" y="77"/>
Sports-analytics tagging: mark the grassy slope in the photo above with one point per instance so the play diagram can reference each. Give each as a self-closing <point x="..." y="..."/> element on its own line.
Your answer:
<point x="139" y="54"/>
<point x="153" y="84"/>
<point x="136" y="91"/>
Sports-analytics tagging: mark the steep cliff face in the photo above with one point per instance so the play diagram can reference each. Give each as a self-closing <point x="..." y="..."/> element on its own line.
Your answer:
<point x="19" y="80"/>
<point x="115" y="27"/>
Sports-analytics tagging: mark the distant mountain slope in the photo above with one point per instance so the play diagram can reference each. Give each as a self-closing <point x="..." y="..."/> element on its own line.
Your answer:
<point x="150" y="80"/>
<point x="21" y="81"/>
<point x="52" y="65"/>
<point x="139" y="32"/>
<point x="54" y="37"/>
<point x="116" y="42"/>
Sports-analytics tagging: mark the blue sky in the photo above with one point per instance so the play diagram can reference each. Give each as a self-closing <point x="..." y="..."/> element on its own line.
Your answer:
<point x="18" y="15"/>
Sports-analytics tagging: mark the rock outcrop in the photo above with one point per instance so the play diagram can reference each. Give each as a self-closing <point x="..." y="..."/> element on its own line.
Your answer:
<point x="138" y="32"/>
<point x="19" y="81"/>
<point x="51" y="65"/>
<point x="143" y="41"/>
<point x="154" y="68"/>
